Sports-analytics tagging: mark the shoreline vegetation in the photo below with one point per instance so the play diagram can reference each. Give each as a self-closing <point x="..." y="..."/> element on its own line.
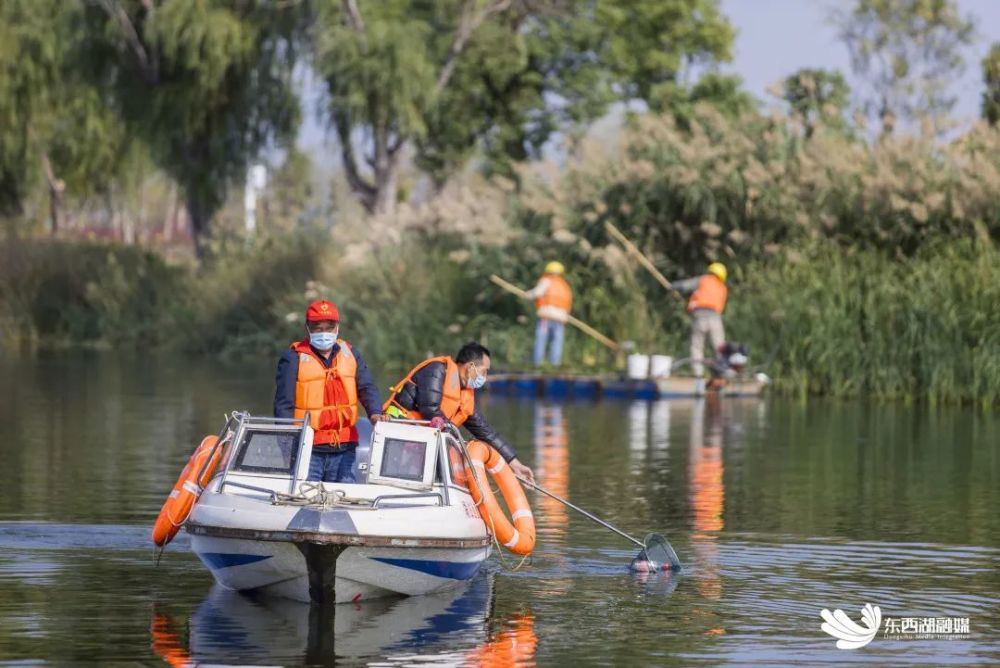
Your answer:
<point x="859" y="269"/>
<point x="152" y="195"/>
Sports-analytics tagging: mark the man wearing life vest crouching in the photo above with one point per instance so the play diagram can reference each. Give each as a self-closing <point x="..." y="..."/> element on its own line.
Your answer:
<point x="707" y="302"/>
<point x="442" y="388"/>
<point x="326" y="377"/>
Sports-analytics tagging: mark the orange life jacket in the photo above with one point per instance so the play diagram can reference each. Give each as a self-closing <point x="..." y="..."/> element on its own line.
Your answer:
<point x="711" y="294"/>
<point x="457" y="402"/>
<point x="558" y="294"/>
<point x="329" y="394"/>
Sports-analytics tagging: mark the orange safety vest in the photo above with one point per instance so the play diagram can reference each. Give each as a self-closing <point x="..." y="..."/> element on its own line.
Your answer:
<point x="558" y="294"/>
<point x="457" y="403"/>
<point x="711" y="294"/>
<point x="329" y="394"/>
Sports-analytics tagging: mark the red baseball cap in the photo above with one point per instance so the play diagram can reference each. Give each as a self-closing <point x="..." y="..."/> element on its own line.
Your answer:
<point x="321" y="309"/>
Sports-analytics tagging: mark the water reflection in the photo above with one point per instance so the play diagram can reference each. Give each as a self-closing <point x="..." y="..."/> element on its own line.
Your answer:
<point x="450" y="628"/>
<point x="513" y="646"/>
<point x="552" y="469"/>
<point x="707" y="493"/>
<point x="705" y="466"/>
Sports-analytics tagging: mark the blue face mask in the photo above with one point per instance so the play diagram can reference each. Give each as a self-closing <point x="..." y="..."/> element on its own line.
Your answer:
<point x="323" y="340"/>
<point x="478" y="381"/>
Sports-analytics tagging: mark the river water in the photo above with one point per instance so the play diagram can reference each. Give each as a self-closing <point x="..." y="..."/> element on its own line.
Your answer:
<point x="778" y="509"/>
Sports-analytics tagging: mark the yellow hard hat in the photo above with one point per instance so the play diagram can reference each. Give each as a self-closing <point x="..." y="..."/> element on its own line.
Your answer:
<point x="558" y="268"/>
<point x="719" y="270"/>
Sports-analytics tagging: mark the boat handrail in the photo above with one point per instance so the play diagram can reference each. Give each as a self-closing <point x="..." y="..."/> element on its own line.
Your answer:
<point x="253" y="488"/>
<point x="456" y="435"/>
<point x="337" y="497"/>
<point x="378" y="499"/>
<point x="232" y="436"/>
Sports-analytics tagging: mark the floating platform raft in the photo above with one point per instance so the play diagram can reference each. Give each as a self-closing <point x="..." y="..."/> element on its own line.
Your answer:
<point x="564" y="386"/>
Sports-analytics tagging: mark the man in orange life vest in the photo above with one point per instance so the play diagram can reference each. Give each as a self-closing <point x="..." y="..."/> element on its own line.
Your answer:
<point x="327" y="377"/>
<point x="553" y="300"/>
<point x="442" y="388"/>
<point x="707" y="302"/>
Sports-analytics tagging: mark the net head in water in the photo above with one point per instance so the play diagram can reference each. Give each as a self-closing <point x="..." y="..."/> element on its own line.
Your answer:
<point x="642" y="564"/>
<point x="657" y="555"/>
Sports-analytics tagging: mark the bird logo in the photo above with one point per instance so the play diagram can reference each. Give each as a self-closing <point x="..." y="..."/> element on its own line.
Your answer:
<point x="849" y="634"/>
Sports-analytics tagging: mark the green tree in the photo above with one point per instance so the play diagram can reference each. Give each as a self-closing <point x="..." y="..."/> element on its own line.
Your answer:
<point x="451" y="76"/>
<point x="649" y="46"/>
<point x="205" y="83"/>
<point x="908" y="52"/>
<point x="991" y="77"/>
<point x="53" y="125"/>
<point x="815" y="96"/>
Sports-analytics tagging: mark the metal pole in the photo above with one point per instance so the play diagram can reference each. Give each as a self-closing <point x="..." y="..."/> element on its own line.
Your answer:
<point x="643" y="260"/>
<point x="581" y="511"/>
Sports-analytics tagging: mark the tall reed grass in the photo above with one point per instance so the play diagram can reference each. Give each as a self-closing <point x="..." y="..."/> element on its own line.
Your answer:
<point x="849" y="323"/>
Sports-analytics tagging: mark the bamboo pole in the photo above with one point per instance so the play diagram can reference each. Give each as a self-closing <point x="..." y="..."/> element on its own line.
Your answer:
<point x="643" y="260"/>
<point x="579" y="324"/>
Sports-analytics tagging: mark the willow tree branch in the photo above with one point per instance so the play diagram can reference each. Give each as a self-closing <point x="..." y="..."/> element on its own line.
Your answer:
<point x="116" y="12"/>
<point x="470" y="22"/>
<point x="355" y="20"/>
<point x="364" y="189"/>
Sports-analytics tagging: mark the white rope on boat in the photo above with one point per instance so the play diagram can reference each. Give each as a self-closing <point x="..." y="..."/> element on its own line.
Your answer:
<point x="315" y="494"/>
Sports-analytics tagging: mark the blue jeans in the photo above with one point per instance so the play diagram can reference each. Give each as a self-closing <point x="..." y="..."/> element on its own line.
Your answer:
<point x="333" y="466"/>
<point x="544" y="329"/>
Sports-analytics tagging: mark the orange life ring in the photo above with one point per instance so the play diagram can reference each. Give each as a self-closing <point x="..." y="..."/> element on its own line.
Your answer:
<point x="185" y="493"/>
<point x="518" y="537"/>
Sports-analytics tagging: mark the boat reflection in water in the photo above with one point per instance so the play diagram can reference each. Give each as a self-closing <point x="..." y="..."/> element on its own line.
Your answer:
<point x="450" y="628"/>
<point x="552" y="470"/>
<point x="707" y="494"/>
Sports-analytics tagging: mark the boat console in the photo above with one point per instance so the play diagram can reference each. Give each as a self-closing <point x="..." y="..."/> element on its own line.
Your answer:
<point x="272" y="455"/>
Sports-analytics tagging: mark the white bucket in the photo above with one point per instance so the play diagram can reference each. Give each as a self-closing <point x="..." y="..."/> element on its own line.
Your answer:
<point x="659" y="366"/>
<point x="638" y="366"/>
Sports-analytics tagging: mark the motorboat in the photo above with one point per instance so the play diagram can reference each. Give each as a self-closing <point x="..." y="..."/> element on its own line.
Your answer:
<point x="408" y="526"/>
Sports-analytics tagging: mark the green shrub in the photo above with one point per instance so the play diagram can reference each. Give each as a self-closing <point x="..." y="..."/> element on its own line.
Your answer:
<point x="86" y="293"/>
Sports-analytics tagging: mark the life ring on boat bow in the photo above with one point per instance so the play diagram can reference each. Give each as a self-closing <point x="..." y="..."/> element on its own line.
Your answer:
<point x="517" y="534"/>
<point x="186" y="491"/>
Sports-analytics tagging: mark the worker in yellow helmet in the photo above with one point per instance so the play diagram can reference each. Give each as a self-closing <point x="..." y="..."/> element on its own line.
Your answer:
<point x="707" y="302"/>
<point x="553" y="300"/>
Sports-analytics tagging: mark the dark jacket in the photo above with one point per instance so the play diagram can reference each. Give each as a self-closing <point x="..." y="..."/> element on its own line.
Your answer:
<point x="424" y="396"/>
<point x="288" y="372"/>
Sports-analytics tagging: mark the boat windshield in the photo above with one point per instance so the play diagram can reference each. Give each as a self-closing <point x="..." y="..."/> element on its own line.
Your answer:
<point x="403" y="459"/>
<point x="274" y="452"/>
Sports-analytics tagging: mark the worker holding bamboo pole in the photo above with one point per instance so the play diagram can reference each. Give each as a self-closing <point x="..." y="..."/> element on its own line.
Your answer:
<point x="707" y="302"/>
<point x="553" y="301"/>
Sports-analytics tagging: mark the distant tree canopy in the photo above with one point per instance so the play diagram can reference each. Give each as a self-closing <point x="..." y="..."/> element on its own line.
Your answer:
<point x="205" y="83"/>
<point x="450" y="76"/>
<point x="199" y="89"/>
<point x="52" y="124"/>
<point x="816" y="95"/>
<point x="907" y="52"/>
